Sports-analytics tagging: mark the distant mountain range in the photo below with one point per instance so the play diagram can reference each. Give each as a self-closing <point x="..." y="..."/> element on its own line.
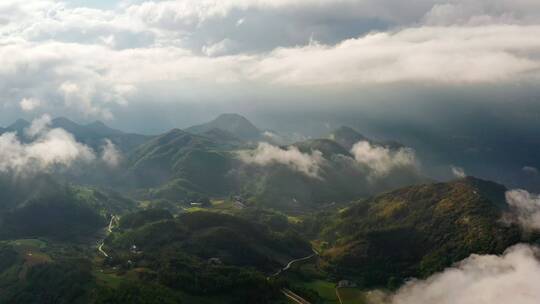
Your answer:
<point x="92" y="134"/>
<point x="204" y="161"/>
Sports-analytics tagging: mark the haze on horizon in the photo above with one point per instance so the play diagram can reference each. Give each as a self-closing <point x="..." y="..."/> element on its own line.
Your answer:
<point x="132" y="62"/>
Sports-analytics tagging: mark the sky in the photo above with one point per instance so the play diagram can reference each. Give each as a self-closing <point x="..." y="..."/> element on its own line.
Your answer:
<point x="148" y="66"/>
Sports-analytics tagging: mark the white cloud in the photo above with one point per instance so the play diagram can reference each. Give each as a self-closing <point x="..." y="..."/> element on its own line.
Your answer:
<point x="224" y="47"/>
<point x="50" y="149"/>
<point x="381" y="160"/>
<point x="446" y="55"/>
<point x="266" y="154"/>
<point x="38" y="126"/>
<point x="274" y="138"/>
<point x="110" y="154"/>
<point x="90" y="61"/>
<point x="29" y="104"/>
<point x="483" y="12"/>
<point x="479" y="279"/>
<point x="525" y="209"/>
<point x="458" y="172"/>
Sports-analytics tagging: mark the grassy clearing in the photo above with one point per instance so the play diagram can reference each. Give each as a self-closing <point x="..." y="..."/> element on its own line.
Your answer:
<point x="195" y="209"/>
<point x="352" y="296"/>
<point x="294" y="219"/>
<point x="325" y="289"/>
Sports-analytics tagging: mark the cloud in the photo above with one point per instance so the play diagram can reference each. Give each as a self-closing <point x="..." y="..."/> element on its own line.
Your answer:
<point x="445" y="55"/>
<point x="94" y="62"/>
<point x="479" y="279"/>
<point x="458" y="172"/>
<point x="381" y="160"/>
<point x="93" y="79"/>
<point x="266" y="154"/>
<point x="224" y="47"/>
<point x="38" y="126"/>
<point x="524" y="209"/>
<point x="50" y="149"/>
<point x="483" y="12"/>
<point x="29" y="104"/>
<point x="110" y="154"/>
<point x="274" y="138"/>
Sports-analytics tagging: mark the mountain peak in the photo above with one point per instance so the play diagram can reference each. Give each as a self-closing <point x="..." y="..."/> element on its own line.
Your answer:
<point x="231" y="116"/>
<point x="18" y="125"/>
<point x="101" y="128"/>
<point x="64" y="123"/>
<point x="233" y="123"/>
<point x="97" y="123"/>
<point x="347" y="137"/>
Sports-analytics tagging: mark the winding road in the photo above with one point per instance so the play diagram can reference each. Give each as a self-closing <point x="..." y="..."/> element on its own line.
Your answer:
<point x="288" y="266"/>
<point x="288" y="293"/>
<point x="109" y="230"/>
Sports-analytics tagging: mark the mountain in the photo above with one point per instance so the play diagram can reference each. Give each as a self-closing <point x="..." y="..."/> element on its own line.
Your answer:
<point x="339" y="178"/>
<point x="347" y="137"/>
<point x="93" y="134"/>
<point x="235" y="124"/>
<point x="19" y="124"/>
<point x="327" y="147"/>
<point x="223" y="137"/>
<point x="40" y="206"/>
<point x="181" y="166"/>
<point x="181" y="158"/>
<point x="203" y="253"/>
<point x="418" y="230"/>
<point x="204" y="235"/>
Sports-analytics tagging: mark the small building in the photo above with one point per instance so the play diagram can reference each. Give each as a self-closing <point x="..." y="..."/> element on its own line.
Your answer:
<point x="346" y="284"/>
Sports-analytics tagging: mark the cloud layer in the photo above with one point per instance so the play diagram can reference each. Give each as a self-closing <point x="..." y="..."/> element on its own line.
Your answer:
<point x="96" y="61"/>
<point x="267" y="154"/>
<point x="488" y="279"/>
<point x="381" y="160"/>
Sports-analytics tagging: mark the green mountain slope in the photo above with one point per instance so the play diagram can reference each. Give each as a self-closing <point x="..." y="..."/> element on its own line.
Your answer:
<point x="178" y="154"/>
<point x="180" y="166"/>
<point x="204" y="235"/>
<point x="340" y="179"/>
<point x="41" y="207"/>
<point x="418" y="230"/>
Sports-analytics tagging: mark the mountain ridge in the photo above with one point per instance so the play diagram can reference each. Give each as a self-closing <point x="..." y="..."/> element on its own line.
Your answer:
<point x="236" y="124"/>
